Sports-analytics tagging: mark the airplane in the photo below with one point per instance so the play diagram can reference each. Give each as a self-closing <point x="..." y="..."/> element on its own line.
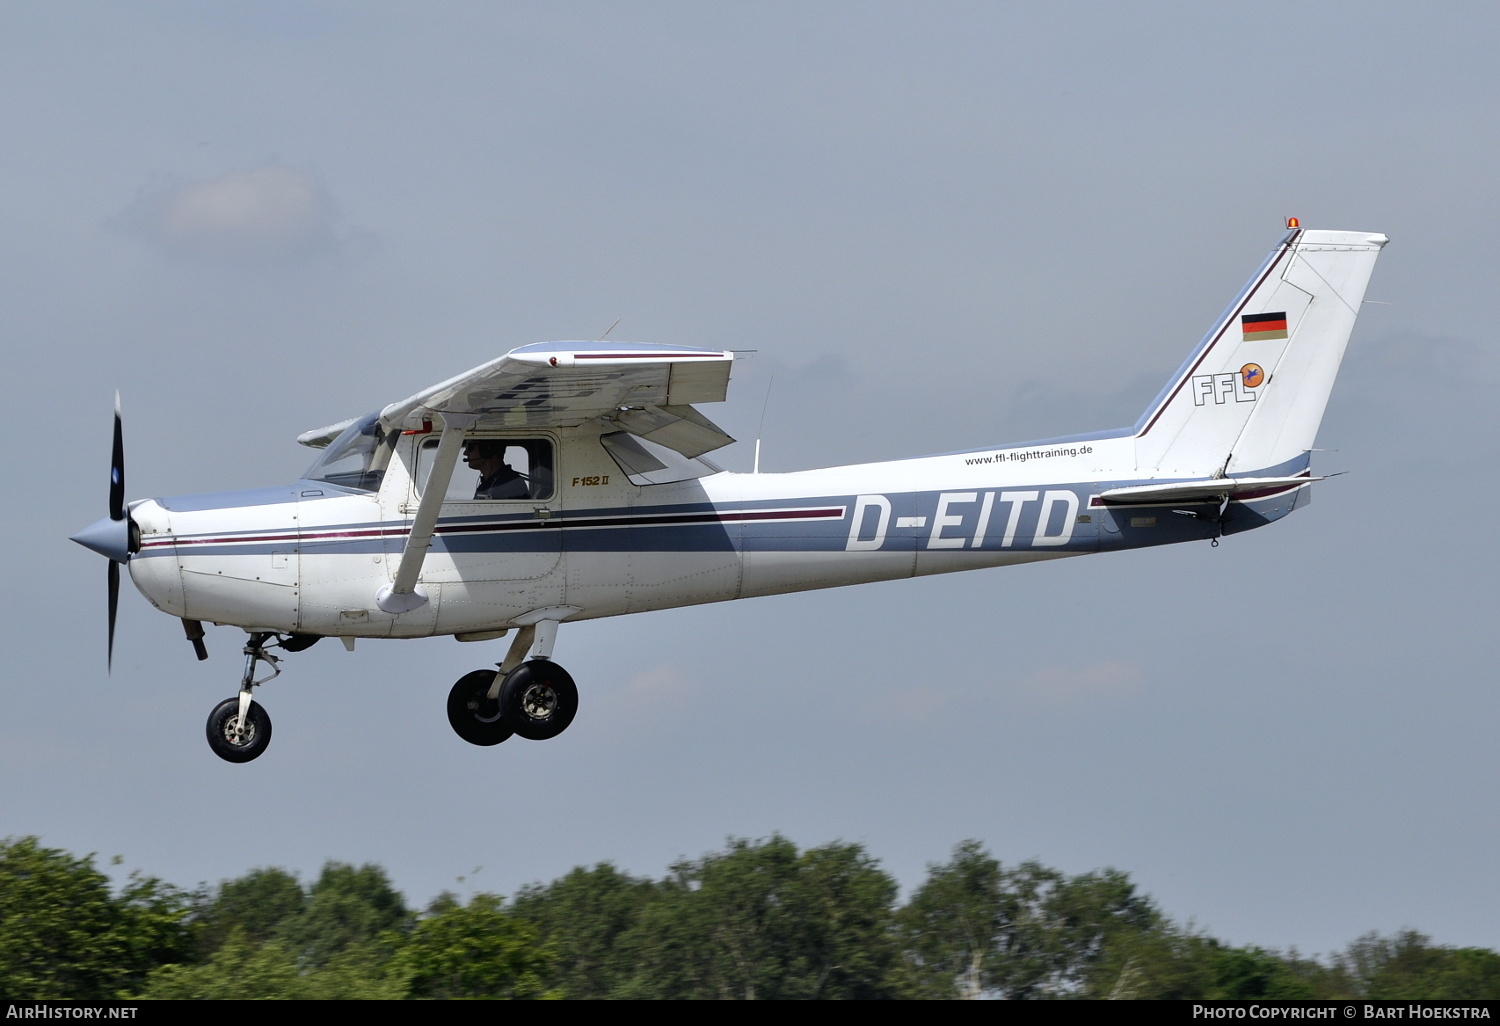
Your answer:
<point x="594" y="498"/>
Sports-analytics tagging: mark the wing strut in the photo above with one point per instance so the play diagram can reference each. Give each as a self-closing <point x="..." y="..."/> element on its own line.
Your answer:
<point x="403" y="594"/>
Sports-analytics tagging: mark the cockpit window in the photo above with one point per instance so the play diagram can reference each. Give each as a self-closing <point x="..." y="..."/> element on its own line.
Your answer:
<point x="517" y="469"/>
<point x="357" y="458"/>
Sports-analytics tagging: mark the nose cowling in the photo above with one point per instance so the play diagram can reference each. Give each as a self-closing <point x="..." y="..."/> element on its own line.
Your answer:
<point x="113" y="539"/>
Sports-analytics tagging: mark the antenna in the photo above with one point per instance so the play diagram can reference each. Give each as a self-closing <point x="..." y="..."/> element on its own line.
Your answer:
<point x="761" y="427"/>
<point x="607" y="330"/>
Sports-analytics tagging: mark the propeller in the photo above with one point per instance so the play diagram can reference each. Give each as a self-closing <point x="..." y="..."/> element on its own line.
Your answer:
<point x="111" y="536"/>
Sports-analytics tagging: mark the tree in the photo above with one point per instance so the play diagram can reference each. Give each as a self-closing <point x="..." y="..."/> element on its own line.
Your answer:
<point x="975" y="927"/>
<point x="1408" y="965"/>
<point x="950" y="925"/>
<point x="585" y="917"/>
<point x="473" y="951"/>
<point x="261" y="904"/>
<point x="1079" y="920"/>
<point x="240" y="969"/>
<point x="345" y="906"/>
<point x="1250" y="973"/>
<point x="760" y="920"/>
<point x="64" y="935"/>
<point x="845" y="945"/>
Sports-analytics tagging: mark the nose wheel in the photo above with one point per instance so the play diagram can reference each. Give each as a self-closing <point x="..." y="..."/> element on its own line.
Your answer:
<point x="236" y="738"/>
<point x="238" y="728"/>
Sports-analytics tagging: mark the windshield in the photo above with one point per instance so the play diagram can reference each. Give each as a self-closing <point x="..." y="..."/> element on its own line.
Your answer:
<point x="357" y="458"/>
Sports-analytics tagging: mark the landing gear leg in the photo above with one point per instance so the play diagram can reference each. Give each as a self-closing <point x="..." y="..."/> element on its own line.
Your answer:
<point x="238" y="728"/>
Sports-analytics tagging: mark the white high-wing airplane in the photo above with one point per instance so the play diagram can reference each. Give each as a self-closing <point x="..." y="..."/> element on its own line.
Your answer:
<point x="592" y="499"/>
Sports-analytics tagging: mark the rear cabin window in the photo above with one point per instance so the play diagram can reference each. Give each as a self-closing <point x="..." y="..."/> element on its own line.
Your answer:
<point x="493" y="469"/>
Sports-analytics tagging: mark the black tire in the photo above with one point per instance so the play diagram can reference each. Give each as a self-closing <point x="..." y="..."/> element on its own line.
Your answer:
<point x="221" y="737"/>
<point x="472" y="715"/>
<point x="538" y="699"/>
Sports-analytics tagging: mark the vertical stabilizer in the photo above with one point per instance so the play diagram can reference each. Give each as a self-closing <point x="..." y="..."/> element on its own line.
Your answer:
<point x="1251" y="396"/>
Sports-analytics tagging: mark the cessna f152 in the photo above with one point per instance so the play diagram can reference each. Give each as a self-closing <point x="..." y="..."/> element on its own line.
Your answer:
<point x="593" y="499"/>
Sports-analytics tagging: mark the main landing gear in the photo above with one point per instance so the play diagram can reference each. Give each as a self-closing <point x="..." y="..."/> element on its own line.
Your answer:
<point x="238" y="728"/>
<point x="535" y="699"/>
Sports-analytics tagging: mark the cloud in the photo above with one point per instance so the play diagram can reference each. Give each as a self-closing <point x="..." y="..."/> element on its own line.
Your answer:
<point x="1052" y="687"/>
<point x="652" y="699"/>
<point x="1072" y="686"/>
<point x="914" y="705"/>
<point x="266" y="214"/>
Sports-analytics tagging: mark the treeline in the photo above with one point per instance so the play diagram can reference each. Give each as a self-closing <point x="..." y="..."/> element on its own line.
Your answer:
<point x="759" y="919"/>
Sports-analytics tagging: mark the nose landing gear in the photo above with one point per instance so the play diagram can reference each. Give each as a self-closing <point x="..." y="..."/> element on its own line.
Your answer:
<point x="238" y="728"/>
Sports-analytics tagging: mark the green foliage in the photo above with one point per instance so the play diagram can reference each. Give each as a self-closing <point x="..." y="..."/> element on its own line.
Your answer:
<point x="345" y="906"/>
<point x="952" y="927"/>
<point x="756" y="920"/>
<point x="1243" y="974"/>
<point x="760" y="920"/>
<point x="64" y="935"/>
<point x="1408" y="965"/>
<point x="473" y="951"/>
<point x="975" y="927"/>
<point x="586" y="917"/>
<point x="243" y="970"/>
<point x="258" y="904"/>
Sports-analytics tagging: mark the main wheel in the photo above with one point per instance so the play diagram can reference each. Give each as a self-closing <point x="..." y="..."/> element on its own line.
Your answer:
<point x="473" y="716"/>
<point x="538" y="699"/>
<point x="227" y="741"/>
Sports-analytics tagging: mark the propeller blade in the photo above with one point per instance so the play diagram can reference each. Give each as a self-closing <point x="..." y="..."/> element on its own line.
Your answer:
<point x="114" y="602"/>
<point x="117" y="474"/>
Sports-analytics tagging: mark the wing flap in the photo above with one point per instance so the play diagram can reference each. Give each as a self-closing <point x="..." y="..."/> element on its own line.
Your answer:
<point x="681" y="428"/>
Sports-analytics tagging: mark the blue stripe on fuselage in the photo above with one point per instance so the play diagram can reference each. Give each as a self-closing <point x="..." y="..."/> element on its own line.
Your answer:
<point x="976" y="519"/>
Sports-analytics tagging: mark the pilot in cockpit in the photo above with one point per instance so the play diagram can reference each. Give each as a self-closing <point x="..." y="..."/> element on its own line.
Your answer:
<point x="496" y="478"/>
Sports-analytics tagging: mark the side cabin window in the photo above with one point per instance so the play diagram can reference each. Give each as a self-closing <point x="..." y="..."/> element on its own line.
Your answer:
<point x="357" y="458"/>
<point x="513" y="469"/>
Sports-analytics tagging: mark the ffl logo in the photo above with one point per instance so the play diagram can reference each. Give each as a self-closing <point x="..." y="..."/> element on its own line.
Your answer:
<point x="1219" y="387"/>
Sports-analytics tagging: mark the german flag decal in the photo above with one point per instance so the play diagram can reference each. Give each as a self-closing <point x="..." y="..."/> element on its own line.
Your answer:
<point x="1264" y="327"/>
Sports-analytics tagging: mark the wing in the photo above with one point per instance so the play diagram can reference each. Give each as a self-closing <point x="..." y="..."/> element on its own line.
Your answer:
<point x="644" y="388"/>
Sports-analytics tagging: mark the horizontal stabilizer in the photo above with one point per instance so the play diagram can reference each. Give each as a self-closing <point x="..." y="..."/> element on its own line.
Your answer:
<point x="1206" y="491"/>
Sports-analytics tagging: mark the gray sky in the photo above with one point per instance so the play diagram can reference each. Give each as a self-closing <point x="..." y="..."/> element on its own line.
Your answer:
<point x="941" y="226"/>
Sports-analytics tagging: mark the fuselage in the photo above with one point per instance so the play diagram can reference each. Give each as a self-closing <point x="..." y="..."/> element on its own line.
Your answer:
<point x="310" y="557"/>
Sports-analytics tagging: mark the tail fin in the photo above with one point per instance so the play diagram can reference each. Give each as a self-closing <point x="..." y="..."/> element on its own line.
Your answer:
<point x="1251" y="396"/>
